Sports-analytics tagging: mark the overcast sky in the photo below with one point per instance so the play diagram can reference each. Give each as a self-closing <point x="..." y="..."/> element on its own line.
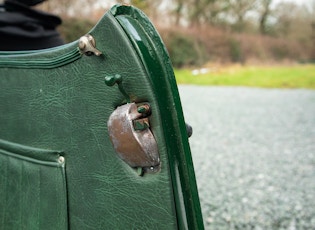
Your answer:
<point x="301" y="2"/>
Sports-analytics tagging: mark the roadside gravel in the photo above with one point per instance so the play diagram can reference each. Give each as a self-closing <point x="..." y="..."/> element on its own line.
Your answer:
<point x="254" y="156"/>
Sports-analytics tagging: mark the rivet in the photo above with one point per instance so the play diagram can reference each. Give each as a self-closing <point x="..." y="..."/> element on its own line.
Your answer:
<point x="61" y="160"/>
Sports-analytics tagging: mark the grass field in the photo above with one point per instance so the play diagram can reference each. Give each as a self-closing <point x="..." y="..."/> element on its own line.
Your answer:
<point x="296" y="76"/>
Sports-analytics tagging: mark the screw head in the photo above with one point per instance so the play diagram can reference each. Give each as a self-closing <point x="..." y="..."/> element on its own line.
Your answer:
<point x="61" y="160"/>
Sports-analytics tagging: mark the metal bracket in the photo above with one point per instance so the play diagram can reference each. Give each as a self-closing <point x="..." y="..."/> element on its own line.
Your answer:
<point x="133" y="141"/>
<point x="87" y="45"/>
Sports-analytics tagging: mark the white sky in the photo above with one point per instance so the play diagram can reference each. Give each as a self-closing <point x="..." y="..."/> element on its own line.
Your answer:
<point x="301" y="2"/>
<point x="295" y="1"/>
<point x="275" y="2"/>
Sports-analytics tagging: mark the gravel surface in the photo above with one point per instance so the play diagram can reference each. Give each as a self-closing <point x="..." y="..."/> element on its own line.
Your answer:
<point x="254" y="156"/>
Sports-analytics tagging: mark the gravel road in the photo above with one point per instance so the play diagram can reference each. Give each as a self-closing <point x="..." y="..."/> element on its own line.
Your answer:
<point x="254" y="156"/>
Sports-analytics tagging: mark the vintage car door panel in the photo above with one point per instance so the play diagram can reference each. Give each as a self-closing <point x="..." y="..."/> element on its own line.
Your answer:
<point x="64" y="99"/>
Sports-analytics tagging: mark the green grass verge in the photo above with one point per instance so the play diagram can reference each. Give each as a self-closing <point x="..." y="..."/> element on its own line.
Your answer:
<point x="297" y="76"/>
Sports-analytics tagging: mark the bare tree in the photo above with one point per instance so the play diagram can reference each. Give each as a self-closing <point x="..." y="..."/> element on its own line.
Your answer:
<point x="178" y="10"/>
<point x="238" y="9"/>
<point x="312" y="11"/>
<point x="265" y="13"/>
<point x="207" y="11"/>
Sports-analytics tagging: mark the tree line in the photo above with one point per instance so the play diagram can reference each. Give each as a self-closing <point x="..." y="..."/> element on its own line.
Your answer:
<point x="239" y="15"/>
<point x="224" y="21"/>
<point x="262" y="16"/>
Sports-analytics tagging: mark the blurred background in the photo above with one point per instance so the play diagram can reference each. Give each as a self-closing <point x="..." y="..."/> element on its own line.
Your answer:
<point x="248" y="68"/>
<point x="219" y="42"/>
<point x="197" y="32"/>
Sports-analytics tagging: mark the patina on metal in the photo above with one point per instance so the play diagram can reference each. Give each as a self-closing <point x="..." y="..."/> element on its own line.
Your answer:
<point x="87" y="45"/>
<point x="133" y="141"/>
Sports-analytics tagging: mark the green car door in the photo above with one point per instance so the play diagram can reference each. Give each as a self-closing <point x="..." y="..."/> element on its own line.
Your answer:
<point x="92" y="134"/>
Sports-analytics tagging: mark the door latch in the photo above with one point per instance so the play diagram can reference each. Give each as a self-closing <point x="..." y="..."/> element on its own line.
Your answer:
<point x="133" y="141"/>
